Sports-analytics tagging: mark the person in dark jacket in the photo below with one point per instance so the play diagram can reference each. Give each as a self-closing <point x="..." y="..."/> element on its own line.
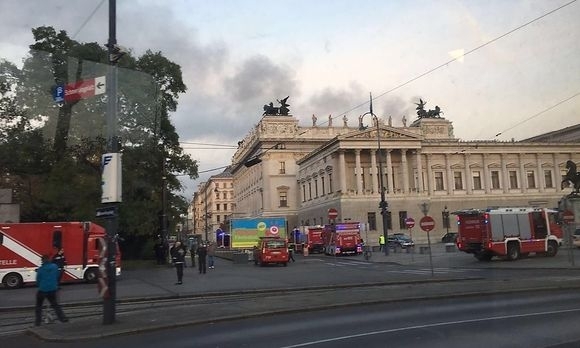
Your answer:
<point x="178" y="258"/>
<point x="201" y="256"/>
<point x="47" y="282"/>
<point x="60" y="261"/>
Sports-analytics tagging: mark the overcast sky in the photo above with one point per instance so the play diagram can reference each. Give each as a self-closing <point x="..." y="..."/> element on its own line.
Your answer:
<point x="327" y="55"/>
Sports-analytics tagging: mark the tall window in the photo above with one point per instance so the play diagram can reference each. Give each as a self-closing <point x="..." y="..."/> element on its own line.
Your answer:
<point x="548" y="178"/>
<point x="402" y="218"/>
<point x="531" y="179"/>
<point x="372" y="220"/>
<point x="303" y="193"/>
<point x="282" y="167"/>
<point x="322" y="182"/>
<point x="309" y="191"/>
<point x="513" y="179"/>
<point x="315" y="188"/>
<point x="477" y="180"/>
<point x="283" y="199"/>
<point x="225" y="195"/>
<point x="218" y="218"/>
<point x="330" y="183"/>
<point x="225" y="206"/>
<point x="495" y="180"/>
<point x="217" y="207"/>
<point x="362" y="177"/>
<point x="439" y="181"/>
<point x="458" y="180"/>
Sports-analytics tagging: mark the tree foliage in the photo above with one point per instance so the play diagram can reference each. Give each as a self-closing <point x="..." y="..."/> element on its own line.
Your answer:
<point x="51" y="154"/>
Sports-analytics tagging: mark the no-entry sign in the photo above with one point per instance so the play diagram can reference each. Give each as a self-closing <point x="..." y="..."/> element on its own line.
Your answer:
<point x="410" y="222"/>
<point x="332" y="213"/>
<point x="427" y="223"/>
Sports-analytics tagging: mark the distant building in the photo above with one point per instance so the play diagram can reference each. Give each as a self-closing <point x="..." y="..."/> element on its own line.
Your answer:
<point x="213" y="205"/>
<point x="283" y="169"/>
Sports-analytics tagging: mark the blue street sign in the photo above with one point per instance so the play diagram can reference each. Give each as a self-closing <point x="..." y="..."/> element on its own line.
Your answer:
<point x="58" y="94"/>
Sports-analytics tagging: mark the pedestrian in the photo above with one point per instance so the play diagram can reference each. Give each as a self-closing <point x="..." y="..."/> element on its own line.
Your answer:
<point x="210" y="254"/>
<point x="201" y="256"/>
<point x="60" y="261"/>
<point x="178" y="259"/>
<point x="47" y="282"/>
<point x="192" y="250"/>
<point x="381" y="242"/>
<point x="291" y="254"/>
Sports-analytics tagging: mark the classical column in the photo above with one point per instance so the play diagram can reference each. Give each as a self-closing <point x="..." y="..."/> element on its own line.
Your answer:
<point x="419" y="172"/>
<point x="450" y="185"/>
<point x="523" y="175"/>
<point x="374" y="172"/>
<point x="468" y="178"/>
<point x="358" y="172"/>
<point x="486" y="178"/>
<point x="429" y="174"/>
<point x="557" y="176"/>
<point x="505" y="185"/>
<point x="540" y="180"/>
<point x="405" y="166"/>
<point x="342" y="170"/>
<point x="389" y="181"/>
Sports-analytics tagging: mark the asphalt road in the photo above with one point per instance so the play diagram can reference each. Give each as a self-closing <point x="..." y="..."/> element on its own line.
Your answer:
<point x="544" y="319"/>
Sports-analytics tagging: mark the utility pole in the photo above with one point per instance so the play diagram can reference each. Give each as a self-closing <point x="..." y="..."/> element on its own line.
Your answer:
<point x="112" y="178"/>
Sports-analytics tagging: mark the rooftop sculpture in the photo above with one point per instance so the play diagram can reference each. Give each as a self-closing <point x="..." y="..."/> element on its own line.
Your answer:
<point x="282" y="110"/>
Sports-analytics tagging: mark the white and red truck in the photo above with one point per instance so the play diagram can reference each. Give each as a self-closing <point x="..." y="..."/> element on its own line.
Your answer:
<point x="508" y="232"/>
<point x="23" y="244"/>
<point x="314" y="240"/>
<point x="342" y="238"/>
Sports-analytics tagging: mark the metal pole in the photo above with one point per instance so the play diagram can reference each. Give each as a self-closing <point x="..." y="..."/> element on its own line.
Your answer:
<point x="383" y="205"/>
<point x="112" y="147"/>
<point x="205" y="216"/>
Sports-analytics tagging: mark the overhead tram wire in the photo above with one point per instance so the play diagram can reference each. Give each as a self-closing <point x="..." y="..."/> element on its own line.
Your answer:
<point x="88" y="19"/>
<point x="536" y="115"/>
<point x="429" y="71"/>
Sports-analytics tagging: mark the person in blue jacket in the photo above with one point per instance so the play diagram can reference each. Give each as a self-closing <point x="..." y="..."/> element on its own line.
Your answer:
<point x="47" y="282"/>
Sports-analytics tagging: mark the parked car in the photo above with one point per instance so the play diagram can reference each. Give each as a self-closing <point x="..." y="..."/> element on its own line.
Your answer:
<point x="449" y="237"/>
<point x="271" y="250"/>
<point x="400" y="240"/>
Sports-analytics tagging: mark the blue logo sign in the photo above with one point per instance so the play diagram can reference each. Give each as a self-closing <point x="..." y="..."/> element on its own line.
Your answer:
<point x="58" y="94"/>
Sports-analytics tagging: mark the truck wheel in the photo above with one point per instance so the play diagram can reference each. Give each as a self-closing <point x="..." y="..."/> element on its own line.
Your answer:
<point x="552" y="249"/>
<point x="513" y="251"/>
<point x="91" y="275"/>
<point x="12" y="281"/>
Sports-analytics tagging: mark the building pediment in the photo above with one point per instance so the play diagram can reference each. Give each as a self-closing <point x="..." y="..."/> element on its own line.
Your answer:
<point x="385" y="134"/>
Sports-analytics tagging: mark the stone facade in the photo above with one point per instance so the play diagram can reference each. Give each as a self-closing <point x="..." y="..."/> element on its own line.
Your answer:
<point x="304" y="171"/>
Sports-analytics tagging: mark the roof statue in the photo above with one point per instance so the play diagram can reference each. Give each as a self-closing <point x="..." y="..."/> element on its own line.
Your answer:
<point x="422" y="113"/>
<point x="572" y="178"/>
<point x="282" y="110"/>
<point x="314" y="118"/>
<point x="330" y="120"/>
<point x="344" y="121"/>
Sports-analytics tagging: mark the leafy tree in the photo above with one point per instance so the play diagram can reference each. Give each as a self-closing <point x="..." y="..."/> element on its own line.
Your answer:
<point x="59" y="147"/>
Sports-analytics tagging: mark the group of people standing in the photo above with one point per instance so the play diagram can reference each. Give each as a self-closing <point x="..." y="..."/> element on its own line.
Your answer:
<point x="205" y="253"/>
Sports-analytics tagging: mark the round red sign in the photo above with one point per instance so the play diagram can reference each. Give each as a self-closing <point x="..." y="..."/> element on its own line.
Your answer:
<point x="427" y="223"/>
<point x="568" y="216"/>
<point x="410" y="222"/>
<point x="332" y="213"/>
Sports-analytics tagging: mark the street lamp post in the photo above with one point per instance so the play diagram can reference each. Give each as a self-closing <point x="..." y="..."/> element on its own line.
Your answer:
<point x="445" y="214"/>
<point x="383" y="205"/>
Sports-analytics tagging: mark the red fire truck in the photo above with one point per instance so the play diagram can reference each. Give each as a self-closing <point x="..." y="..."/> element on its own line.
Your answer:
<point x="342" y="238"/>
<point x="314" y="239"/>
<point x="23" y="244"/>
<point x="509" y="232"/>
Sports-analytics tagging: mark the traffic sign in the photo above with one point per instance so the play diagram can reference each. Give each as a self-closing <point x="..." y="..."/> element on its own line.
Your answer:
<point x="410" y="222"/>
<point x="83" y="89"/>
<point x="58" y="93"/>
<point x="568" y="216"/>
<point x="427" y="223"/>
<point x="274" y="230"/>
<point x="332" y="213"/>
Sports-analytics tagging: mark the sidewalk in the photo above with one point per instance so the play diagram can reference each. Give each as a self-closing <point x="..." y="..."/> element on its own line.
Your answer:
<point x="157" y="319"/>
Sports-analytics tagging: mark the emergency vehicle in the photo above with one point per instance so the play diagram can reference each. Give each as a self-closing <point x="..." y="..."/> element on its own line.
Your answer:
<point x="23" y="244"/>
<point x="508" y="232"/>
<point x="314" y="239"/>
<point x="342" y="238"/>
